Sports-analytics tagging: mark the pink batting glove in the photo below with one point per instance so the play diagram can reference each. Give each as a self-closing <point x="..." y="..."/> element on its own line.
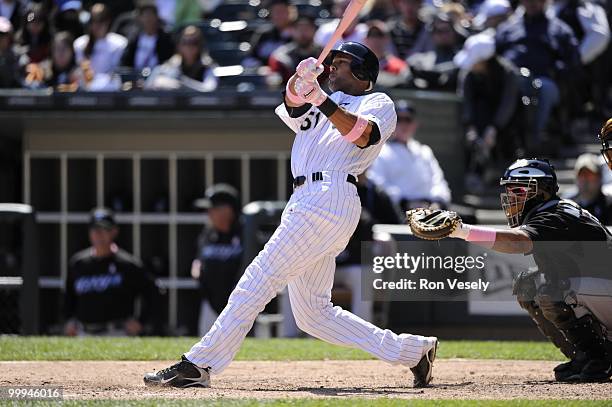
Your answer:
<point x="308" y="69"/>
<point x="310" y="92"/>
<point x="292" y="97"/>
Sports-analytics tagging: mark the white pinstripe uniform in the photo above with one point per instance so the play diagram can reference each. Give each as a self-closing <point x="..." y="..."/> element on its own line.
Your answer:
<point x="316" y="225"/>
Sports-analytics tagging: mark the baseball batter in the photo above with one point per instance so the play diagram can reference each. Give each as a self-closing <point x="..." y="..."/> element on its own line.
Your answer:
<point x="337" y="137"/>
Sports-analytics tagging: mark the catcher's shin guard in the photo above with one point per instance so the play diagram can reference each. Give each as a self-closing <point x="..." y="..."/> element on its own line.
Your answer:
<point x="548" y="329"/>
<point x="584" y="333"/>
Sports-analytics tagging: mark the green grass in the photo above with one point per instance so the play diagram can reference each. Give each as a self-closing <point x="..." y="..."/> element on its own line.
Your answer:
<point x="350" y="402"/>
<point x="61" y="348"/>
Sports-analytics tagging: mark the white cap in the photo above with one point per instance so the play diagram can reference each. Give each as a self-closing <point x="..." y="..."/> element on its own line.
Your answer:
<point x="5" y="25"/>
<point x="589" y="161"/>
<point x="491" y="8"/>
<point x="477" y="48"/>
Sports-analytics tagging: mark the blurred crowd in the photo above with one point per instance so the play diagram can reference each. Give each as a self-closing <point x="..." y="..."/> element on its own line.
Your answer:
<point x="525" y="69"/>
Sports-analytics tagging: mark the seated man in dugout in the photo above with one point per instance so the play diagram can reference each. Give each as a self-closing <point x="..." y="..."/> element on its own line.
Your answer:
<point x="104" y="283"/>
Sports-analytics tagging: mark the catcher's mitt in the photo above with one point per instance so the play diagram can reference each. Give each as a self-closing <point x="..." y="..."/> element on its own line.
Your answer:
<point x="430" y="224"/>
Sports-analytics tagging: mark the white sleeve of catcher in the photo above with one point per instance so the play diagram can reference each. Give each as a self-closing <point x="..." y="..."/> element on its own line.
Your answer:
<point x="293" y="123"/>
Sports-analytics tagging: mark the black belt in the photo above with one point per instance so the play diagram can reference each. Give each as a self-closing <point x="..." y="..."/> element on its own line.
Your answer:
<point x="318" y="176"/>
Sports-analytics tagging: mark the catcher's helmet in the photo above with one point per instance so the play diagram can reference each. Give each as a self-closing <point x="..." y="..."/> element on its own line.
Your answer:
<point x="364" y="63"/>
<point x="605" y="136"/>
<point x="524" y="183"/>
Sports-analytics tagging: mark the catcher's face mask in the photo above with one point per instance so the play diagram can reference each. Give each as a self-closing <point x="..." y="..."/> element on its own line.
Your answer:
<point x="513" y="200"/>
<point x="606" y="152"/>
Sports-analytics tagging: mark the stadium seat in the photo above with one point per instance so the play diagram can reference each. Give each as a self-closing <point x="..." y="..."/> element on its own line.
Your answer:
<point x="242" y="81"/>
<point x="128" y="74"/>
<point x="237" y="31"/>
<point x="231" y="53"/>
<point x="312" y="8"/>
<point x="236" y="10"/>
<point x="211" y="33"/>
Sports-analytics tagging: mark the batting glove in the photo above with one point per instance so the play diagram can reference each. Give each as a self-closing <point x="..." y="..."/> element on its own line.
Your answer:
<point x="308" y="69"/>
<point x="311" y="92"/>
<point x="292" y="96"/>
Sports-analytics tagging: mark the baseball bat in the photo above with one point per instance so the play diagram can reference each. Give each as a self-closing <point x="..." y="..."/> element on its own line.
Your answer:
<point x="351" y="12"/>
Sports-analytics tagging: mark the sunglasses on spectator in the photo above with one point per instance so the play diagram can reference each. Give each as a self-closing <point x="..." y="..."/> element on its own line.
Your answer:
<point x="405" y="119"/>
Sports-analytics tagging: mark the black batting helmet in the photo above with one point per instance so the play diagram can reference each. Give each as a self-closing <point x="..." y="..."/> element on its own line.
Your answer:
<point x="364" y="63"/>
<point x="523" y="182"/>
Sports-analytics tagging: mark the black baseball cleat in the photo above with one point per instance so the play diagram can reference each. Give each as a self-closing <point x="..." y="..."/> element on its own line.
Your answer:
<point x="596" y="370"/>
<point x="182" y="374"/>
<point x="569" y="371"/>
<point x="423" y="370"/>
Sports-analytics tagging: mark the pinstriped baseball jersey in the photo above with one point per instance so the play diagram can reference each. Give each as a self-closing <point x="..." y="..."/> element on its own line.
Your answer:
<point x="315" y="227"/>
<point x="319" y="146"/>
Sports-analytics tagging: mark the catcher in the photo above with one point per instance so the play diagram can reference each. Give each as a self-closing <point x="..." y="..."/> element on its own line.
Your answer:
<point x="571" y="307"/>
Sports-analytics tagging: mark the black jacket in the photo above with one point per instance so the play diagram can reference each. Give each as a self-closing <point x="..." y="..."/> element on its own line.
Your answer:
<point x="491" y="98"/>
<point x="601" y="207"/>
<point x="545" y="45"/>
<point x="103" y="289"/>
<point x="9" y="70"/>
<point x="265" y="41"/>
<point x="164" y="48"/>
<point x="568" y="241"/>
<point x="221" y="257"/>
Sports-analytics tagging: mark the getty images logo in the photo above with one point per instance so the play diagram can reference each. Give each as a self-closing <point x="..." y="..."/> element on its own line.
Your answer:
<point x="412" y="264"/>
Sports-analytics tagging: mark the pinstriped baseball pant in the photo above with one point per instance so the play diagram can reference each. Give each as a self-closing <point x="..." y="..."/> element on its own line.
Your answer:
<point x="315" y="227"/>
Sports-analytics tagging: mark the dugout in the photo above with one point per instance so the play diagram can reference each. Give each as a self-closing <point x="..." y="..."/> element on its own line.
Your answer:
<point x="19" y="292"/>
<point x="148" y="155"/>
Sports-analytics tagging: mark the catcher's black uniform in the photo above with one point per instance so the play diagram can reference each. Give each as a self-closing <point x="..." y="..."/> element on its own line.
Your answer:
<point x="573" y="305"/>
<point x="575" y="229"/>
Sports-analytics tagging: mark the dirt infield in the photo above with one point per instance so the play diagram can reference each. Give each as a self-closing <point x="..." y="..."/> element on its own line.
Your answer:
<point x="454" y="379"/>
